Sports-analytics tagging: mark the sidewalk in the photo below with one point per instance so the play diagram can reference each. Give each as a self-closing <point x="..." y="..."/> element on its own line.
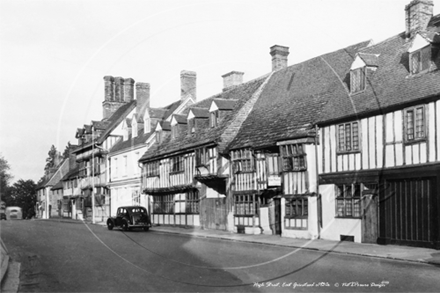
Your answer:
<point x="403" y="253"/>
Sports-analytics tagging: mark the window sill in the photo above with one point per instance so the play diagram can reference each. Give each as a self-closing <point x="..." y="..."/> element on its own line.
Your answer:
<point x="415" y="141"/>
<point x="176" y="172"/>
<point x="348" y="217"/>
<point x="295" y="170"/>
<point x="348" y="152"/>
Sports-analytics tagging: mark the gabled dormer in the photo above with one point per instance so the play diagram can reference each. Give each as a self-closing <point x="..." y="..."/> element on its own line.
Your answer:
<point x="218" y="110"/>
<point x="363" y="65"/>
<point x="134" y="126"/>
<point x="126" y="128"/>
<point x="423" y="52"/>
<point x="178" y="125"/>
<point x="160" y="130"/>
<point x="197" y="119"/>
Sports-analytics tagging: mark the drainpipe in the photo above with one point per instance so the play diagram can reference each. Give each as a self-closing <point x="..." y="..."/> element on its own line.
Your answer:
<point x="318" y="195"/>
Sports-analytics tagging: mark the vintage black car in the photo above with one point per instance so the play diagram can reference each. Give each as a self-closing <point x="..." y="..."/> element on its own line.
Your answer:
<point x="129" y="217"/>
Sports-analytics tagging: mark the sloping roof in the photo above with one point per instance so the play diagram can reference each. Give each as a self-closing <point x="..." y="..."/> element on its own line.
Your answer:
<point x="369" y="59"/>
<point x="181" y="119"/>
<point x="391" y="86"/>
<point x="199" y="112"/>
<point x="223" y="104"/>
<point x="293" y="99"/>
<point x="242" y="93"/>
<point x="131" y="142"/>
<point x="59" y="185"/>
<point x="117" y="118"/>
<point x="157" y="113"/>
<point x="72" y="173"/>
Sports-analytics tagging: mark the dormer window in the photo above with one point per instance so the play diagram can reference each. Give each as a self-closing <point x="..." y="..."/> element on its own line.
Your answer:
<point x="174" y="131"/>
<point x="420" y="60"/>
<point x="158" y="135"/>
<point x="357" y="80"/>
<point x="213" y="119"/>
<point x="191" y="126"/>
<point x="147" y="125"/>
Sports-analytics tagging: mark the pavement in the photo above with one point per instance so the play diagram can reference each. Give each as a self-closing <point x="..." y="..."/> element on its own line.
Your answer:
<point x="395" y="252"/>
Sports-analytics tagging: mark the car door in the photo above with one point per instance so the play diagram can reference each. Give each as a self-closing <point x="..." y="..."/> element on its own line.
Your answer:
<point x="119" y="215"/>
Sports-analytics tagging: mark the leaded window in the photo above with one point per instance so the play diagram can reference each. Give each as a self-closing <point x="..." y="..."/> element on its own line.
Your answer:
<point x="420" y="60"/>
<point x="293" y="157"/>
<point x="242" y="161"/>
<point x="415" y="124"/>
<point x="348" y="201"/>
<point x="357" y="80"/>
<point x="348" y="137"/>
<point x="177" y="164"/>
<point x="245" y="205"/>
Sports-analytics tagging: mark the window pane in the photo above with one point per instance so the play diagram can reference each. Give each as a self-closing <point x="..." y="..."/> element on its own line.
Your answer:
<point x="415" y="62"/>
<point x="425" y="58"/>
<point x="355" y="136"/>
<point x="410" y="125"/>
<point x="341" y="138"/>
<point x="348" y="137"/>
<point x="419" y="123"/>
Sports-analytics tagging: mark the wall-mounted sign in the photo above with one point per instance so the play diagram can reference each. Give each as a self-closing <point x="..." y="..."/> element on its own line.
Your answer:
<point x="274" y="180"/>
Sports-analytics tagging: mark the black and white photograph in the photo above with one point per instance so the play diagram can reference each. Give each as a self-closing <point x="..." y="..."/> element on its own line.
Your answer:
<point x="219" y="146"/>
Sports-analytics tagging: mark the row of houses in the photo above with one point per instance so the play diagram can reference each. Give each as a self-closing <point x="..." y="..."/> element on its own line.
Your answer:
<point x="344" y="146"/>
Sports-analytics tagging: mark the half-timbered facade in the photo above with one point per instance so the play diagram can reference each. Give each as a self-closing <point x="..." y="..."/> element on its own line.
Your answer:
<point x="274" y="156"/>
<point x="380" y="152"/>
<point x="185" y="172"/>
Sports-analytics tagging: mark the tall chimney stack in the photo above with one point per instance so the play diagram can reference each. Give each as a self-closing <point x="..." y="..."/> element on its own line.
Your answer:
<point x="119" y="89"/>
<point x="142" y="97"/>
<point x="109" y="94"/>
<point x="128" y="89"/>
<point x="279" y="57"/>
<point x="418" y="13"/>
<point x="232" y="78"/>
<point x="188" y="81"/>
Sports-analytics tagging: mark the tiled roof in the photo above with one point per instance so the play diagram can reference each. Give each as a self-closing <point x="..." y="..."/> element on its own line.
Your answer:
<point x="131" y="142"/>
<point x="242" y="93"/>
<point x="369" y="59"/>
<point x="389" y="87"/>
<point x="199" y="112"/>
<point x="117" y="118"/>
<point x="181" y="119"/>
<point x="223" y="104"/>
<point x="59" y="185"/>
<point x="72" y="173"/>
<point x="293" y="98"/>
<point x="157" y="113"/>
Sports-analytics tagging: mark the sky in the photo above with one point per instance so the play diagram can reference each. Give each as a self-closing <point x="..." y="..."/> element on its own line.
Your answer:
<point x="54" y="54"/>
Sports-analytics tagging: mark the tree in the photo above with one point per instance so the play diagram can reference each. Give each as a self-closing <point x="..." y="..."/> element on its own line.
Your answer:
<point x="51" y="160"/>
<point x="5" y="177"/>
<point x="23" y="194"/>
<point x="67" y="151"/>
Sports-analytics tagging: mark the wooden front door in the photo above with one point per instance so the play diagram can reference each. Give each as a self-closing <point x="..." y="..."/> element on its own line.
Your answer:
<point x="370" y="217"/>
<point x="407" y="212"/>
<point x="214" y="213"/>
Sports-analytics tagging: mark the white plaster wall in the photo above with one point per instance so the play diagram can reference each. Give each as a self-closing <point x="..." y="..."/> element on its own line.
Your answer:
<point x="334" y="227"/>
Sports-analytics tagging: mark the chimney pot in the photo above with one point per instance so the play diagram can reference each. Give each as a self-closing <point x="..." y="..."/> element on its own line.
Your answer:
<point x="119" y="89"/>
<point x="188" y="80"/>
<point x="128" y="89"/>
<point x="232" y="78"/>
<point x="418" y="13"/>
<point x="108" y="88"/>
<point x="142" y="98"/>
<point x="279" y="57"/>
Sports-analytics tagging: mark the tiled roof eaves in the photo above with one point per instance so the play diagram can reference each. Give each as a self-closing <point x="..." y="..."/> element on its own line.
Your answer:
<point x="210" y="135"/>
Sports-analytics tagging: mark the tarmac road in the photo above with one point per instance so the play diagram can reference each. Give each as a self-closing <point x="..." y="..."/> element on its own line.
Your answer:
<point x="75" y="257"/>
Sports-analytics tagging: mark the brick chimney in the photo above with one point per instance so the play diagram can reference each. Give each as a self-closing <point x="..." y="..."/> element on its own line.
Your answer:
<point x="279" y="57"/>
<point x="119" y="89"/>
<point x="232" y="78"/>
<point x="128" y="94"/>
<point x="109" y="94"/>
<point x="188" y="84"/>
<point x="142" y="98"/>
<point x="417" y="16"/>
<point x="111" y="103"/>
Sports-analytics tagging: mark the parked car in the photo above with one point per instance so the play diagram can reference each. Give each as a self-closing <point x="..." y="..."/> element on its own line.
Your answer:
<point x="129" y="217"/>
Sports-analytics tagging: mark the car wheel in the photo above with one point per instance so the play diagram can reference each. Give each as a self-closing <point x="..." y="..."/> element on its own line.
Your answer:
<point x="125" y="226"/>
<point x="110" y="225"/>
<point x="146" y="228"/>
